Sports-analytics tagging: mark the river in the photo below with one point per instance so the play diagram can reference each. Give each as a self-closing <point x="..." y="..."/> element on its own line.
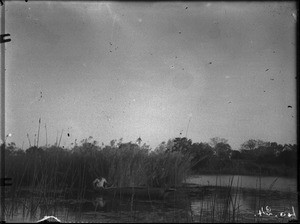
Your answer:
<point x="252" y="182"/>
<point x="209" y="199"/>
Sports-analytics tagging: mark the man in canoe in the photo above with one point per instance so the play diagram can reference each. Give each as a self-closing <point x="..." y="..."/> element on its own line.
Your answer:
<point x="100" y="183"/>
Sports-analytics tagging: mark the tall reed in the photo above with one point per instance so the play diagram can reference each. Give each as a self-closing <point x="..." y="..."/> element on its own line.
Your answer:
<point x="55" y="168"/>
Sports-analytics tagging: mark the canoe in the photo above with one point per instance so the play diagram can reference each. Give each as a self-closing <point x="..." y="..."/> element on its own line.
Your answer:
<point x="135" y="192"/>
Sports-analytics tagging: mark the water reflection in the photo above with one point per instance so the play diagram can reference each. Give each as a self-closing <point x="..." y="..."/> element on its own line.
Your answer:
<point x="251" y="182"/>
<point x="99" y="209"/>
<point x="99" y="202"/>
<point x="198" y="204"/>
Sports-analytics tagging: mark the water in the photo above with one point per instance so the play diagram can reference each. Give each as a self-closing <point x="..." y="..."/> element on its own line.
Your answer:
<point x="248" y="195"/>
<point x="207" y="201"/>
<point x="251" y="182"/>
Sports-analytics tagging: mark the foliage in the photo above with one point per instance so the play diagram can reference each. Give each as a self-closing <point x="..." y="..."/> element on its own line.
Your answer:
<point x="128" y="164"/>
<point x="167" y="168"/>
<point x="201" y="155"/>
<point x="254" y="157"/>
<point x="216" y="140"/>
<point x="182" y="145"/>
<point x="122" y="164"/>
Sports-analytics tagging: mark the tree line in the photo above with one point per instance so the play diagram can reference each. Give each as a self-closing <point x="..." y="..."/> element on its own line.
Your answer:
<point x="255" y="157"/>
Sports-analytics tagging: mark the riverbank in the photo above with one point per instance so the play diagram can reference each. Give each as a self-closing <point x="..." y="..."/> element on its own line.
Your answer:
<point x="249" y="168"/>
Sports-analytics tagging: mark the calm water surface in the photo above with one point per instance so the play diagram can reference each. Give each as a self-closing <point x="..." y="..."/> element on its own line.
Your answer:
<point x="248" y="194"/>
<point x="251" y="182"/>
<point x="207" y="201"/>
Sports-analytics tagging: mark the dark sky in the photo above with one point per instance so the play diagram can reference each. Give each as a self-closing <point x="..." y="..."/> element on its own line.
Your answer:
<point x="129" y="69"/>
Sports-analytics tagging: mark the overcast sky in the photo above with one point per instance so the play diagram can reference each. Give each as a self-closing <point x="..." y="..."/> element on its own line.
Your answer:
<point x="129" y="69"/>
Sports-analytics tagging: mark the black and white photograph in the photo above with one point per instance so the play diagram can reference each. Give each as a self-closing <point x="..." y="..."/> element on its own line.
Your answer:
<point x="149" y="112"/>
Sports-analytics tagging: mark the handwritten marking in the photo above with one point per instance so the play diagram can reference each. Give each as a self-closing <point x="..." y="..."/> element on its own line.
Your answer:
<point x="268" y="212"/>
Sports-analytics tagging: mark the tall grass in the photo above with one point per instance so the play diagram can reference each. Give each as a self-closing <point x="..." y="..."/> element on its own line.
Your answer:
<point x="55" y="170"/>
<point x="52" y="173"/>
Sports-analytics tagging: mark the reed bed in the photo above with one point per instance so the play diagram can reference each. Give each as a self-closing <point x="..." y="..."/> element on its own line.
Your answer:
<point x="44" y="176"/>
<point x="55" y="171"/>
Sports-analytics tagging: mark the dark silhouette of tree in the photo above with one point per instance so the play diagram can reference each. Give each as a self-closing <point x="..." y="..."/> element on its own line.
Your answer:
<point x="249" y="145"/>
<point x="249" y="149"/>
<point x="182" y="145"/>
<point x="288" y="156"/>
<point x="223" y="150"/>
<point x="201" y="154"/>
<point x="235" y="154"/>
<point x="214" y="141"/>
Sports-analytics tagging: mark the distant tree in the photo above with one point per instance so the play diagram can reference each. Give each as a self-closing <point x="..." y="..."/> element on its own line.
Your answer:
<point x="261" y="151"/>
<point x="265" y="153"/>
<point x="216" y="140"/>
<point x="182" y="145"/>
<point x="223" y="150"/>
<point x="249" y="145"/>
<point x="288" y="155"/>
<point x="202" y="149"/>
<point x="220" y="147"/>
<point x="249" y="149"/>
<point x="235" y="154"/>
<point x="277" y="148"/>
<point x="201" y="154"/>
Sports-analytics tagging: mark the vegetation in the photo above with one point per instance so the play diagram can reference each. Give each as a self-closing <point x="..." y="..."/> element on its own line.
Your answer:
<point x="50" y="173"/>
<point x="255" y="157"/>
<point x="128" y="164"/>
<point x="122" y="164"/>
